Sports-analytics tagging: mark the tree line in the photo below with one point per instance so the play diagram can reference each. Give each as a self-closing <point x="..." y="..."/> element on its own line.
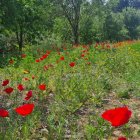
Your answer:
<point x="25" y="22"/>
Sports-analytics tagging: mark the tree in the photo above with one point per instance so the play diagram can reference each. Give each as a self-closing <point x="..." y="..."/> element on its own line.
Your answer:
<point x="22" y="18"/>
<point x="71" y="10"/>
<point x="132" y="22"/>
<point x="91" y="23"/>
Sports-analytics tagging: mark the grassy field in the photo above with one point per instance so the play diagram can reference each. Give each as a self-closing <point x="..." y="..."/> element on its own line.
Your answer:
<point x="71" y="88"/>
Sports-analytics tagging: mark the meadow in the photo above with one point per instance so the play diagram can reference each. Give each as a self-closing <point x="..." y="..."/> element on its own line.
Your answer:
<point x="61" y="93"/>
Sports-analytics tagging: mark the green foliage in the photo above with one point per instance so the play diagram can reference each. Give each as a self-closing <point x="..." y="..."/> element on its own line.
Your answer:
<point x="132" y="22"/>
<point x="115" y="28"/>
<point x="62" y="29"/>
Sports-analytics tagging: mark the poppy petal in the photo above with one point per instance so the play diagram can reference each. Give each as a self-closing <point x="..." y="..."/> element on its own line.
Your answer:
<point x="25" y="109"/>
<point x="5" y="82"/>
<point x="4" y="113"/>
<point x="118" y="116"/>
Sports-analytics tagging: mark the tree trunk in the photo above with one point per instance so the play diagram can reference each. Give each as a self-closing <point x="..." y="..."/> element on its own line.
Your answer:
<point x="21" y="40"/>
<point x="19" y="34"/>
<point x="76" y="37"/>
<point x="72" y="13"/>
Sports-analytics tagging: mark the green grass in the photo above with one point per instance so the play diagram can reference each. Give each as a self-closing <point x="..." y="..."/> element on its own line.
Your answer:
<point x="71" y="106"/>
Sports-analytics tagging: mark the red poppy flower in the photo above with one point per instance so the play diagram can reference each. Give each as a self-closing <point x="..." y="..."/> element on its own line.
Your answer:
<point x="33" y="77"/>
<point x="5" y="82"/>
<point x="118" y="116"/>
<point x="20" y="87"/>
<point x="4" y="113"/>
<point x="23" y="55"/>
<point x="122" y="138"/>
<point x="26" y="79"/>
<point x="45" y="56"/>
<point x="108" y="46"/>
<point x="72" y="64"/>
<point x="48" y="52"/>
<point x="41" y="58"/>
<point x="62" y="58"/>
<point x="82" y="55"/>
<point x="42" y="87"/>
<point x="37" y="60"/>
<point x="88" y="63"/>
<point x="25" y="109"/>
<point x="11" y="61"/>
<point x="84" y="46"/>
<point x="84" y="51"/>
<point x="8" y="90"/>
<point x="28" y="95"/>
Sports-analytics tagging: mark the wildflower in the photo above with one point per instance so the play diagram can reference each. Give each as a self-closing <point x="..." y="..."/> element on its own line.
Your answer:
<point x="5" y="82"/>
<point x="25" y="109"/>
<point x="4" y="113"/>
<point x="108" y="46"/>
<point x="72" y="64"/>
<point x="37" y="60"/>
<point x="88" y="63"/>
<point x="48" y="52"/>
<point x="84" y="46"/>
<point x="20" y="87"/>
<point x="41" y="58"/>
<point x="28" y="95"/>
<point x="42" y="87"/>
<point x="82" y="55"/>
<point x="23" y="55"/>
<point x="45" y="56"/>
<point x="122" y="138"/>
<point x="11" y="61"/>
<point x="118" y="116"/>
<point x="33" y="77"/>
<point x="84" y="51"/>
<point x="62" y="58"/>
<point x="8" y="90"/>
<point x="26" y="79"/>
